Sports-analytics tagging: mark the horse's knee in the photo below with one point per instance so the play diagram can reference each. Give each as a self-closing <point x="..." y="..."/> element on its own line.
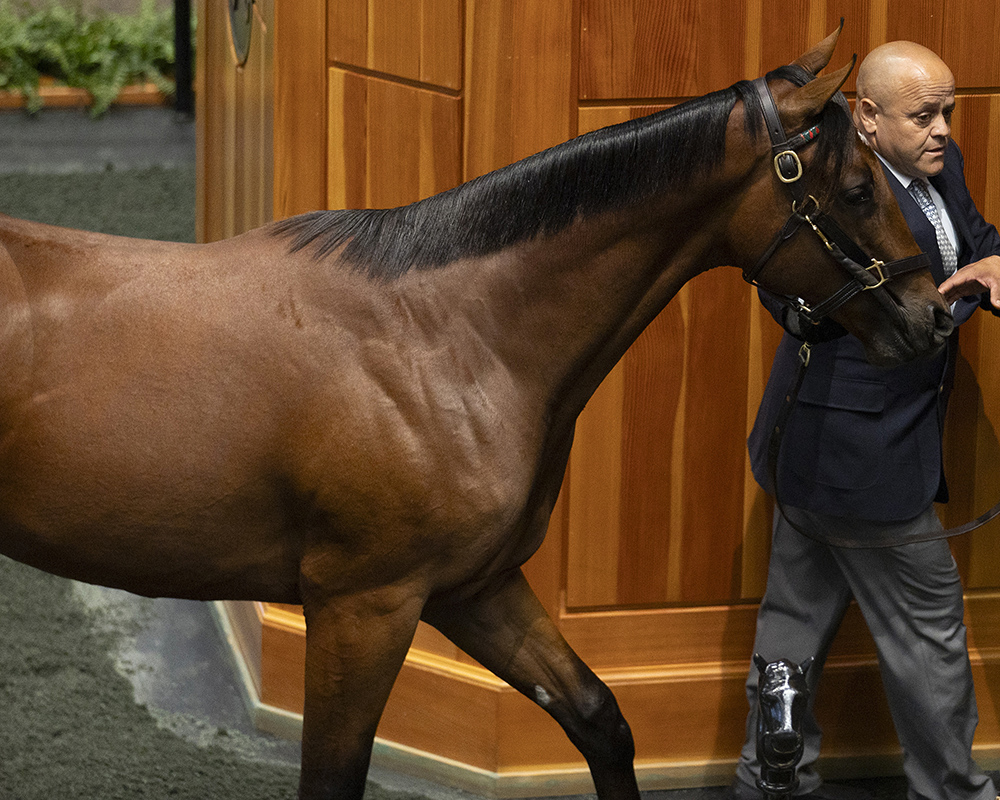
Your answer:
<point x="599" y="728"/>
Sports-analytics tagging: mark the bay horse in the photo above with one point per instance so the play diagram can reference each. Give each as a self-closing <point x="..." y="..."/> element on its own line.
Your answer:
<point x="370" y="412"/>
<point x="782" y="696"/>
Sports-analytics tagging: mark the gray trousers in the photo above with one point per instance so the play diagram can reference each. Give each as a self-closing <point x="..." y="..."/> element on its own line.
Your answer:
<point x="911" y="599"/>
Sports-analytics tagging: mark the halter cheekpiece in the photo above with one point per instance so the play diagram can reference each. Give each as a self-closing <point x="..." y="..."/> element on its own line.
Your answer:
<point x="806" y="212"/>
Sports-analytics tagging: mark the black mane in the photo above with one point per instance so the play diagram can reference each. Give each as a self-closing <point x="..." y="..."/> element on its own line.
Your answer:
<point x="607" y="169"/>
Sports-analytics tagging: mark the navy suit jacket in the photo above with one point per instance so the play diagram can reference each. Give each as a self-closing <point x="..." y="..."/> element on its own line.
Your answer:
<point x="863" y="441"/>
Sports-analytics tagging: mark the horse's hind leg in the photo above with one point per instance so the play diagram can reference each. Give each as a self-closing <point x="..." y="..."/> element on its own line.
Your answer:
<point x="507" y="630"/>
<point x="355" y="647"/>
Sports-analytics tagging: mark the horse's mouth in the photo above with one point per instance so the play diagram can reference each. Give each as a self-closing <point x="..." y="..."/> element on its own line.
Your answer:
<point x="908" y="342"/>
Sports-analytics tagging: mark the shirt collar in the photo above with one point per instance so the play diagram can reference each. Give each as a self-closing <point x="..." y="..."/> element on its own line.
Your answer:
<point x="906" y="180"/>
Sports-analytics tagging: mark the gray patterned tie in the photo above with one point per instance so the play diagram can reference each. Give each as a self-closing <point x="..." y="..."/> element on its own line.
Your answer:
<point x="923" y="197"/>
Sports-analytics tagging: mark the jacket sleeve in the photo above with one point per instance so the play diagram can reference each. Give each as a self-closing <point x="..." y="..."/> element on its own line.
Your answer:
<point x="984" y="238"/>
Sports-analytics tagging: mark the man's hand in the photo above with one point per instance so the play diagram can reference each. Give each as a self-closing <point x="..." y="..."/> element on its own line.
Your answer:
<point x="982" y="276"/>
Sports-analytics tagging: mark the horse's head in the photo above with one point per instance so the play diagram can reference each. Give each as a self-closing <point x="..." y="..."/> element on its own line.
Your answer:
<point x="781" y="701"/>
<point x="819" y="223"/>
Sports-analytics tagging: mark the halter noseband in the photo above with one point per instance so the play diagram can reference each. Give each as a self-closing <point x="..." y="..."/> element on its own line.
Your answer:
<point x="806" y="211"/>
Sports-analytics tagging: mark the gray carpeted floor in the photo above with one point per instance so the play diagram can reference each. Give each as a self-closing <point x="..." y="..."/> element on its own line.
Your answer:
<point x="70" y="725"/>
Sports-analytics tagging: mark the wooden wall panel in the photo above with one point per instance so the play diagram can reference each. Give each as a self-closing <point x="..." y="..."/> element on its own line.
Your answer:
<point x="390" y="144"/>
<point x="973" y="454"/>
<point x="594" y="505"/>
<point x="418" y="40"/>
<point x="788" y="29"/>
<point x="656" y="476"/>
<point x="654" y="448"/>
<point x="210" y="122"/>
<point x="593" y="117"/>
<point x="969" y="45"/>
<point x="609" y="38"/>
<point x="646" y="48"/>
<point x="983" y="568"/>
<point x="520" y="90"/>
<point x="234" y="123"/>
<point x="300" y="116"/>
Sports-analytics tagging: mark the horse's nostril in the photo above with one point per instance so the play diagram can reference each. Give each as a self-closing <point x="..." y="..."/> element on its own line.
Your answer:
<point x="944" y="324"/>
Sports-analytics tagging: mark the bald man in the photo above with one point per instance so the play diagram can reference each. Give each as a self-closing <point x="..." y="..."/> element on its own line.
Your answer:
<point x="861" y="467"/>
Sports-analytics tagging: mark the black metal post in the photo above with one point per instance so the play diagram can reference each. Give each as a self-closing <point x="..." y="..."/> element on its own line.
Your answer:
<point x="183" y="72"/>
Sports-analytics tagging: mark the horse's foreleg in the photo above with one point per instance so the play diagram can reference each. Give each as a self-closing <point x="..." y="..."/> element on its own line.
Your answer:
<point x="355" y="647"/>
<point x="507" y="630"/>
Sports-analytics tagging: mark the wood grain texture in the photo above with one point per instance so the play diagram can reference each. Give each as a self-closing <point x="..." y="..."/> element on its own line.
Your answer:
<point x="646" y="48"/>
<point x="390" y="144"/>
<point x="654" y="449"/>
<point x="300" y="115"/>
<point x="520" y="94"/>
<point x="480" y="725"/>
<point x="234" y="126"/>
<point x="418" y="40"/>
<point x="968" y="44"/>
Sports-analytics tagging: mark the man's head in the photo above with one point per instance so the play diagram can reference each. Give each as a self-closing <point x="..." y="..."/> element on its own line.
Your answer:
<point x="906" y="94"/>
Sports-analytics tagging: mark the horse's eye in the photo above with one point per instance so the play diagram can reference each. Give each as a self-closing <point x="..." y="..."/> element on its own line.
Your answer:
<point x="857" y="196"/>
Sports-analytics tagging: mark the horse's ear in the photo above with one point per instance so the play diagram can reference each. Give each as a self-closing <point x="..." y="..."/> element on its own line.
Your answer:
<point x="807" y="101"/>
<point x="820" y="55"/>
<point x="804" y="666"/>
<point x="760" y="661"/>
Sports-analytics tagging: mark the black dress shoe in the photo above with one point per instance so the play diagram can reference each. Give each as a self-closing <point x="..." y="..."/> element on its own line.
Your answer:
<point x="738" y="790"/>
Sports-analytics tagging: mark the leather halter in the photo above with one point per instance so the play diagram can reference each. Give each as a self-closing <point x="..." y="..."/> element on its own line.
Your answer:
<point x="806" y="212"/>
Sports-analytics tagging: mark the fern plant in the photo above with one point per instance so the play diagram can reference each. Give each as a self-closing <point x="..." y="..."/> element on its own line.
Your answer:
<point x="101" y="52"/>
<point x="18" y="57"/>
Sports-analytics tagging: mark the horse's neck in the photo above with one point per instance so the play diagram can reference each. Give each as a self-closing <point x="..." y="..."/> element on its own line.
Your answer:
<point x="566" y="307"/>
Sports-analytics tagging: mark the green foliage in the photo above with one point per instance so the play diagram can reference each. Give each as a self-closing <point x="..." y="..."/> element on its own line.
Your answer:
<point x="99" y="52"/>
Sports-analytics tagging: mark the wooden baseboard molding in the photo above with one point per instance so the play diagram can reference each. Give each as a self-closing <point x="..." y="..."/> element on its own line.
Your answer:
<point x="480" y="735"/>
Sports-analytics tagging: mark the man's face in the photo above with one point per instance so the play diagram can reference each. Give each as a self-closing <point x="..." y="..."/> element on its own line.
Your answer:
<point x="910" y="125"/>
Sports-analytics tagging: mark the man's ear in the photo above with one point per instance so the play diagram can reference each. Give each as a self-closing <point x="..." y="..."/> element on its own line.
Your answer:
<point x="865" y="111"/>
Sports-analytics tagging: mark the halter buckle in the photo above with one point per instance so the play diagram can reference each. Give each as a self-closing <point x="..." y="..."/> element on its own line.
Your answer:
<point x="876" y="266"/>
<point x="781" y="157"/>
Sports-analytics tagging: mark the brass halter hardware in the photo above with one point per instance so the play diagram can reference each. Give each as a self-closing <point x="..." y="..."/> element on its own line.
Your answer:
<point x="787" y="156"/>
<point x="809" y="220"/>
<point x="876" y="267"/>
<point x="879" y="270"/>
